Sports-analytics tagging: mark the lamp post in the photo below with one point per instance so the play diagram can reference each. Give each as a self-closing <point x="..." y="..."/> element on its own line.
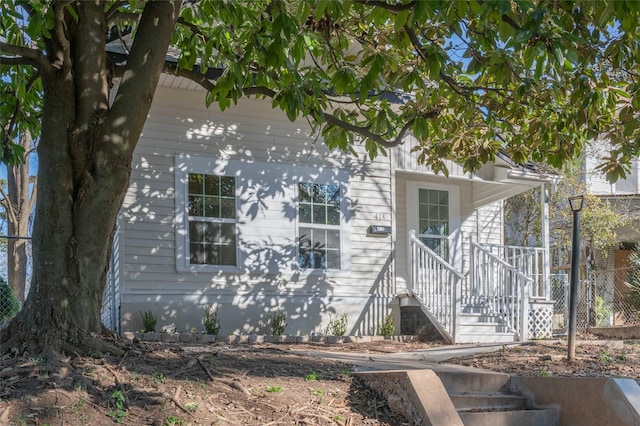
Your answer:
<point x="576" y="204"/>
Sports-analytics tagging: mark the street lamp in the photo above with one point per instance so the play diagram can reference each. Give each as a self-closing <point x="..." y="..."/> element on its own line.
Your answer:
<point x="576" y="204"/>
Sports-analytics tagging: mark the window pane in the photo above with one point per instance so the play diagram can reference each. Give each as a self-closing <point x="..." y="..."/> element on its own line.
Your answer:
<point x="228" y="208"/>
<point x="333" y="259"/>
<point x="318" y="194"/>
<point x="195" y="205"/>
<point x="211" y="185"/>
<point x="196" y="254"/>
<point x="319" y="214"/>
<point x="304" y="190"/>
<point x="228" y="234"/>
<point x="443" y="198"/>
<point x="227" y="255"/>
<point x="333" y="239"/>
<point x="213" y="254"/>
<point x="228" y="186"/>
<point x="195" y="183"/>
<point x="305" y="213"/>
<point x="212" y="207"/>
<point x="333" y="216"/>
<point x="196" y="231"/>
<point x="443" y="213"/>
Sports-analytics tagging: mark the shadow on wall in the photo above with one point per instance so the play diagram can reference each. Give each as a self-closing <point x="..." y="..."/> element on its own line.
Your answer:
<point x="268" y="278"/>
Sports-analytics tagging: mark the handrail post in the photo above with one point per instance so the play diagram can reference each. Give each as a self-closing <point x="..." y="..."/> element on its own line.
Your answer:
<point x="524" y="314"/>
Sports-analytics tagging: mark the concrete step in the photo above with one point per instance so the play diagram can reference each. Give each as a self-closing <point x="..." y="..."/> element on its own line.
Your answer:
<point x="486" y="338"/>
<point x="541" y="417"/>
<point x="468" y="401"/>
<point x="482" y="398"/>
<point x="473" y="381"/>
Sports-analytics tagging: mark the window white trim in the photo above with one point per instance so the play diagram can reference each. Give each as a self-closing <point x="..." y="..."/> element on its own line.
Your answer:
<point x="185" y="165"/>
<point x="340" y="227"/>
<point x="253" y="224"/>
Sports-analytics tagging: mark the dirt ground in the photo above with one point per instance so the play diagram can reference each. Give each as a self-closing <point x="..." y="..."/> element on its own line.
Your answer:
<point x="165" y="384"/>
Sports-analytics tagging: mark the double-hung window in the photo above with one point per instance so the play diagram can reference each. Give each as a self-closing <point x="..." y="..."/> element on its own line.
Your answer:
<point x="319" y="226"/>
<point x="212" y="220"/>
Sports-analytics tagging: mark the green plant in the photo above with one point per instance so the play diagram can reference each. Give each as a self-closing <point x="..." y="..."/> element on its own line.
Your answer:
<point x="604" y="358"/>
<point x="149" y="322"/>
<point x="157" y="377"/>
<point x="312" y="376"/>
<point x="191" y="406"/>
<point x="387" y="327"/>
<point x="337" y="326"/>
<point x="9" y="305"/>
<point x="210" y="320"/>
<point x="277" y="322"/>
<point x="78" y="405"/>
<point x="337" y="418"/>
<point x="317" y="392"/>
<point x="274" y="389"/>
<point x="116" y="400"/>
<point x="543" y="373"/>
<point x="603" y="312"/>
<point x="173" y="421"/>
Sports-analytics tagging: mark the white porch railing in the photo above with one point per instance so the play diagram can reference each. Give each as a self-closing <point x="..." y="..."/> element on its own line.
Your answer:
<point x="437" y="286"/>
<point x="501" y="288"/>
<point x="531" y="261"/>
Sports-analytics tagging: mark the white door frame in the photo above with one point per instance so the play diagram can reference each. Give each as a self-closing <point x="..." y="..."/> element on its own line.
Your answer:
<point x="412" y="188"/>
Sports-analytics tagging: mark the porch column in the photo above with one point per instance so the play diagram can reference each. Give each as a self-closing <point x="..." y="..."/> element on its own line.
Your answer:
<point x="546" y="268"/>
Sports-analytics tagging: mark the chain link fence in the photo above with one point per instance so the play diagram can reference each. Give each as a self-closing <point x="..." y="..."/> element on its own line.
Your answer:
<point x="606" y="298"/>
<point x="9" y="305"/>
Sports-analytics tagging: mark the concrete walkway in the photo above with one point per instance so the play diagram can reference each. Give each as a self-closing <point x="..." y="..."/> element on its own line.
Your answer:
<point x="414" y="360"/>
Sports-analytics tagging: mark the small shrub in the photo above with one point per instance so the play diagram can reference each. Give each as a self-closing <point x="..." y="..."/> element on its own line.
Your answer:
<point x="116" y="400"/>
<point x="274" y="389"/>
<point x="210" y="320"/>
<point x="337" y="326"/>
<point x="311" y="377"/>
<point x="157" y="377"/>
<point x="387" y="327"/>
<point x="277" y="322"/>
<point x="173" y="421"/>
<point x="148" y="322"/>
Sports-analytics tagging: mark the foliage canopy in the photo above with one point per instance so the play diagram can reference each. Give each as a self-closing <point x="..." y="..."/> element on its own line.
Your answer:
<point x="534" y="79"/>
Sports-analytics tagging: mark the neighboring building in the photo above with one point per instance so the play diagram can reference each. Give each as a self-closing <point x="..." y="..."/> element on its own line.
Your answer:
<point x="609" y="270"/>
<point x="249" y="212"/>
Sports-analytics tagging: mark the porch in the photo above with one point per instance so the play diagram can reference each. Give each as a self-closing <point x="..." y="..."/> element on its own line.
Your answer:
<point x="504" y="296"/>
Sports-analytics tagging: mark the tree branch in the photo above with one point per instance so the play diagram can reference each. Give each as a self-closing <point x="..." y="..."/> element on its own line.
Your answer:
<point x="7" y="204"/>
<point x="25" y="54"/>
<point x="363" y="131"/>
<point x="65" y="60"/>
<point x="394" y="8"/>
<point x="13" y="61"/>
<point x="34" y="194"/>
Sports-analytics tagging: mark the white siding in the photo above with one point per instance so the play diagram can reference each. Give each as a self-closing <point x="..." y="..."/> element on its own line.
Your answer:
<point x="270" y="153"/>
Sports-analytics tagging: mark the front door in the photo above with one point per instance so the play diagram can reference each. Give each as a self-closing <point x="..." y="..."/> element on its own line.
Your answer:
<point x="433" y="212"/>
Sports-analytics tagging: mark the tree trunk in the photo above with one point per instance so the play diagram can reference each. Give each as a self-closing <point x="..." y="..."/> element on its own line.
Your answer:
<point x="21" y="204"/>
<point x="84" y="163"/>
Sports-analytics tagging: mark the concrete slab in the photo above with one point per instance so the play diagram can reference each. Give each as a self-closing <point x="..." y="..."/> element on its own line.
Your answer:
<point x="416" y="394"/>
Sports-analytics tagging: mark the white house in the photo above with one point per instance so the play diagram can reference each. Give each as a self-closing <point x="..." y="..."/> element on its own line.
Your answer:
<point x="249" y="212"/>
